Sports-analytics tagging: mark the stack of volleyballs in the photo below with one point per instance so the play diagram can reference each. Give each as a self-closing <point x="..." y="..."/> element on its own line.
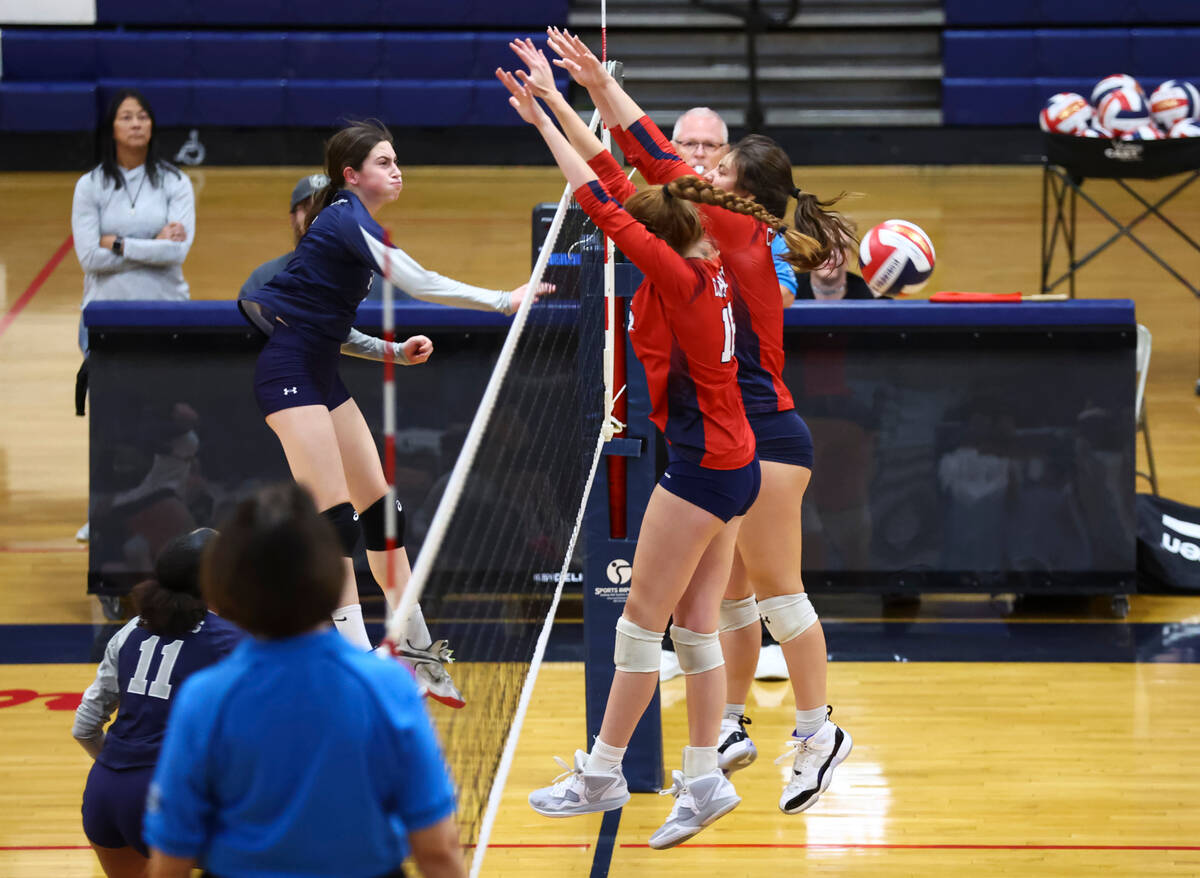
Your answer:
<point x="1120" y="109"/>
<point x="896" y="257"/>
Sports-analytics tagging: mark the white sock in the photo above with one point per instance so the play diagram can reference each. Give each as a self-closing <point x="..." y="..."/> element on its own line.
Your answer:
<point x="734" y="711"/>
<point x="416" y="632"/>
<point x="809" y="722"/>
<point x="604" y="757"/>
<point x="698" y="761"/>
<point x="349" y="622"/>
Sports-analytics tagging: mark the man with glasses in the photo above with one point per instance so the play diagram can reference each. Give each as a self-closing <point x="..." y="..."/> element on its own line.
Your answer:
<point x="701" y="138"/>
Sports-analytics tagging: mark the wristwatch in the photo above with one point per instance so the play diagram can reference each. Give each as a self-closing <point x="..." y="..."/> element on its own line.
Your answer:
<point x="118" y="245"/>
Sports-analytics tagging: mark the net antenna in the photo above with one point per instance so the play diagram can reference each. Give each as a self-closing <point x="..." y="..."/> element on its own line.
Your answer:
<point x="457" y="529"/>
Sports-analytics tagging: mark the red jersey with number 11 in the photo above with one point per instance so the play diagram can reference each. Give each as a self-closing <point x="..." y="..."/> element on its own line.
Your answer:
<point x="682" y="328"/>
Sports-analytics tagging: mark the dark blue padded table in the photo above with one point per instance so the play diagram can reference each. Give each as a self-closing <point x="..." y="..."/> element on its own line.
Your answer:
<point x="959" y="447"/>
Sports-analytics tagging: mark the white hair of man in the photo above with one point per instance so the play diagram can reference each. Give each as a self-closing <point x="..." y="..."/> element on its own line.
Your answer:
<point x="700" y="111"/>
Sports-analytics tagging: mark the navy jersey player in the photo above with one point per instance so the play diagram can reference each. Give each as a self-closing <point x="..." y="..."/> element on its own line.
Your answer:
<point x="765" y="580"/>
<point x="144" y="664"/>
<point x="309" y="307"/>
<point x="682" y="330"/>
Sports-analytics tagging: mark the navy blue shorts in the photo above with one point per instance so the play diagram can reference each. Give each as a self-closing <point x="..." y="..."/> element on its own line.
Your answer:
<point x="723" y="492"/>
<point x="783" y="437"/>
<point x="296" y="369"/>
<point x="113" y="805"/>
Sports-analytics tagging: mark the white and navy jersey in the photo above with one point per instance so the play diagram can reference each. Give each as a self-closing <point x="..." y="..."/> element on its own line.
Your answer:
<point x="328" y="274"/>
<point x="139" y="676"/>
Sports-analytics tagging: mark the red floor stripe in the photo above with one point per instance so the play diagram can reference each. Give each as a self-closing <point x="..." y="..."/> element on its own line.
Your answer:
<point x="32" y="289"/>
<point x="947" y="847"/>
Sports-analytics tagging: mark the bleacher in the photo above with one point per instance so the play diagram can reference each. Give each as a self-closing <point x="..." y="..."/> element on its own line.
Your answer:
<point x="213" y="63"/>
<point x="1001" y="61"/>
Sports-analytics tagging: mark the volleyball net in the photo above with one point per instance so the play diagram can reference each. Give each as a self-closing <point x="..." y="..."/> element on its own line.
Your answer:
<point x="503" y="539"/>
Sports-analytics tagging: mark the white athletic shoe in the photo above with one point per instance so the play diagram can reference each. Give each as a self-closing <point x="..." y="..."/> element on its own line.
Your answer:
<point x="697" y="804"/>
<point x="668" y="666"/>
<point x="84" y="533"/>
<point x="771" y="663"/>
<point x="813" y="760"/>
<point x="429" y="668"/>
<point x="579" y="791"/>
<point x="736" y="751"/>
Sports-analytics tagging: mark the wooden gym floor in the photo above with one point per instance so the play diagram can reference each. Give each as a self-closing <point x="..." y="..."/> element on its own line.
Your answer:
<point x="992" y="741"/>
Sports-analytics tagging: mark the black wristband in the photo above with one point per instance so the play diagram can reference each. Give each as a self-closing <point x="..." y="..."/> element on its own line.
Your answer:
<point x="118" y="245"/>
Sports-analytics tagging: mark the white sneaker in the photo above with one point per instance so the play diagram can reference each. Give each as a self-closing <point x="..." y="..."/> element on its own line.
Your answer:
<point x="84" y="533"/>
<point x="579" y="791"/>
<point x="429" y="668"/>
<point x="771" y="663"/>
<point x="668" y="666"/>
<point x="736" y="751"/>
<point x="813" y="760"/>
<point x="697" y="804"/>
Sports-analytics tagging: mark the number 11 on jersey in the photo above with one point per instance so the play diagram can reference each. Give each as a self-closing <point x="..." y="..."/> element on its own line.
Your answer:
<point x="730" y="332"/>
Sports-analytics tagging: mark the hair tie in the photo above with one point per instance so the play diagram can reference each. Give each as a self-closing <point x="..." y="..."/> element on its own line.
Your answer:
<point x="795" y="192"/>
<point x="782" y="228"/>
<point x="666" y="191"/>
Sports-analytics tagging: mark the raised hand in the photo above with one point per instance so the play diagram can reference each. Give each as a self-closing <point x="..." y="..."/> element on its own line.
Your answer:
<point x="522" y="99"/>
<point x="576" y="58"/>
<point x="540" y="78"/>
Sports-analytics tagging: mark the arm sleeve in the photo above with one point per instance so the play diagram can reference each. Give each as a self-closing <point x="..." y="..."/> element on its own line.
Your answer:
<point x="370" y="347"/>
<point x="668" y="270"/>
<point x="612" y="178"/>
<point x="650" y="152"/>
<point x="181" y="208"/>
<point x="102" y="696"/>
<point x="429" y="286"/>
<point x="85" y="229"/>
<point x="177" y="807"/>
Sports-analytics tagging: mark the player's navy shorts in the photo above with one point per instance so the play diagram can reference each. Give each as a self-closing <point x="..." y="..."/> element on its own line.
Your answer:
<point x="723" y="492"/>
<point x="783" y="437"/>
<point x="295" y="369"/>
<point x="114" y="802"/>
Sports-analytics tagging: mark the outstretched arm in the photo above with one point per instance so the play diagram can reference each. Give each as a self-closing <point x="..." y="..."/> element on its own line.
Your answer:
<point x="574" y="166"/>
<point x="617" y="108"/>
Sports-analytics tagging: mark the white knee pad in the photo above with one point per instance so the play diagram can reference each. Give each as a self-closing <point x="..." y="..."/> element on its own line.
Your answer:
<point x="637" y="650"/>
<point x="697" y="652"/>
<point x="787" y="616"/>
<point x="738" y="614"/>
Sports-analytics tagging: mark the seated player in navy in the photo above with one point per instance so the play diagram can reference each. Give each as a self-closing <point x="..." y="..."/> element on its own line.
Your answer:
<point x="308" y="310"/>
<point x="173" y="636"/>
<point x="299" y="754"/>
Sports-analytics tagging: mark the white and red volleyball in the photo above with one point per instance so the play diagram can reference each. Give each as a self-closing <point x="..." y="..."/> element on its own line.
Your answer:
<point x="896" y="257"/>
<point x="1109" y="84"/>
<point x="1123" y="110"/>
<point x="1065" y="113"/>
<point x="1144" y="132"/>
<point x="1094" y="130"/>
<point x="1174" y="101"/>
<point x="1185" y="128"/>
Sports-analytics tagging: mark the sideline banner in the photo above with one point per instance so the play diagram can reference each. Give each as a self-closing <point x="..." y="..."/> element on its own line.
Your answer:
<point x="1168" y="545"/>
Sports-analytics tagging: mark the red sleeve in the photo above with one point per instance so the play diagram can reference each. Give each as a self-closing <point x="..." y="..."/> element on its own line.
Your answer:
<point x="612" y="178"/>
<point x="650" y="152"/>
<point x="665" y="268"/>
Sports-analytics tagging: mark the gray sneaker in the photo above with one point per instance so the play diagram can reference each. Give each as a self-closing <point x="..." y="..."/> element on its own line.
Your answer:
<point x="578" y="791"/>
<point x="697" y="804"/>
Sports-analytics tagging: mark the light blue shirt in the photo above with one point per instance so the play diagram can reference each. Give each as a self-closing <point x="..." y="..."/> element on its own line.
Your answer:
<point x="297" y="757"/>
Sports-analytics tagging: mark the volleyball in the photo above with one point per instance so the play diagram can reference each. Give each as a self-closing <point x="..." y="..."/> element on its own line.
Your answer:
<point x="1093" y="130"/>
<point x="1185" y="128"/>
<point x="1123" y="110"/>
<point x="1174" y="101"/>
<point x="1144" y="132"/>
<point x="1109" y="84"/>
<point x="1065" y="113"/>
<point x="896" y="257"/>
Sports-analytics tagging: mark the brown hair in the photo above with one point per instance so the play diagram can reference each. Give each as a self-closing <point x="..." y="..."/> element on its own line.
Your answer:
<point x="690" y="188"/>
<point x="765" y="171"/>
<point x="276" y="568"/>
<point x="170" y="604"/>
<point x="348" y="148"/>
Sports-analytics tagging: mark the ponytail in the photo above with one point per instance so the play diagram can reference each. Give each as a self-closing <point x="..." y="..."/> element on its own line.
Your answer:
<point x="803" y="249"/>
<point x="829" y="230"/>
<point x="322" y="199"/>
